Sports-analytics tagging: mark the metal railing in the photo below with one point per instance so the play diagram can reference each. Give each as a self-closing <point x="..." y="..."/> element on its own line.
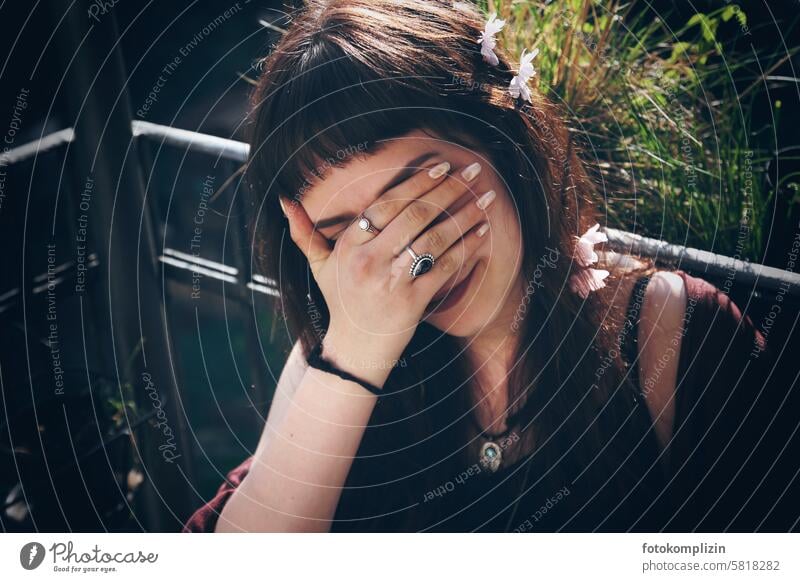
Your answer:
<point x="665" y="253"/>
<point x="713" y="265"/>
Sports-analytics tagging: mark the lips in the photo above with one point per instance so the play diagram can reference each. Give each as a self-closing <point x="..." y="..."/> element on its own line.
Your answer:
<point x="449" y="296"/>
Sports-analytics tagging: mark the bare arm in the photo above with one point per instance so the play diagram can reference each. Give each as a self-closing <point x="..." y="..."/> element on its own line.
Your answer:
<point x="312" y="433"/>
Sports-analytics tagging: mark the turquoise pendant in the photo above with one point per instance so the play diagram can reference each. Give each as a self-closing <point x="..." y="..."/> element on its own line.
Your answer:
<point x="491" y="456"/>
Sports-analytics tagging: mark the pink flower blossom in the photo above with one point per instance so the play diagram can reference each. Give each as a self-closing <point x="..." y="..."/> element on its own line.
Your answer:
<point x="586" y="280"/>
<point x="584" y="249"/>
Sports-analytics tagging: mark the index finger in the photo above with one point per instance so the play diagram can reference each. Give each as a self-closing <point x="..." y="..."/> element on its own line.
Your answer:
<point x="309" y="240"/>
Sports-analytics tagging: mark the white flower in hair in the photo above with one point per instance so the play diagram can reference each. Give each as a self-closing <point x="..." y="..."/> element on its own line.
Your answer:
<point x="519" y="84"/>
<point x="488" y="41"/>
<point x="586" y="281"/>
<point x="585" y="254"/>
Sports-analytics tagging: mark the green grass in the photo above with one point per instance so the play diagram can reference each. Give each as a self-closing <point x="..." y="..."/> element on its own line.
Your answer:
<point x="664" y="116"/>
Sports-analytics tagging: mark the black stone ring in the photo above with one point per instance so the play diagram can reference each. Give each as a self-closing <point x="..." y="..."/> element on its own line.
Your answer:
<point x="421" y="263"/>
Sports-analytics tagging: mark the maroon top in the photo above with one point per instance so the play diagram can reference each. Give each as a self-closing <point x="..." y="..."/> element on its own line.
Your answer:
<point x="722" y="475"/>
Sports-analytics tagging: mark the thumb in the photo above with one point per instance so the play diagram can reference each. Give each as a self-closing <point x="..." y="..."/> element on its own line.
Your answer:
<point x="309" y="240"/>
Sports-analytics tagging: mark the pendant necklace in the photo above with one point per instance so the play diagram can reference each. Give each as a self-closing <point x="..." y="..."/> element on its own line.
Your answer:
<point x="491" y="454"/>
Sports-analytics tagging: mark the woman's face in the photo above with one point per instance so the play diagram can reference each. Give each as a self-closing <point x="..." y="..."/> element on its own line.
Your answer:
<point x="476" y="296"/>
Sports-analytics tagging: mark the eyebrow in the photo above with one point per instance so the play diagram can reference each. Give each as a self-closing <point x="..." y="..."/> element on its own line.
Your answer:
<point x="410" y="169"/>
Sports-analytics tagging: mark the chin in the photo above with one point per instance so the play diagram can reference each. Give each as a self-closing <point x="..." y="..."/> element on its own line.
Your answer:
<point x="476" y="309"/>
<point x="467" y="307"/>
<point x="463" y="326"/>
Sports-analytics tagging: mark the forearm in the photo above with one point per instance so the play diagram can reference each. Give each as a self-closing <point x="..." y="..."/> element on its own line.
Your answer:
<point x="301" y="464"/>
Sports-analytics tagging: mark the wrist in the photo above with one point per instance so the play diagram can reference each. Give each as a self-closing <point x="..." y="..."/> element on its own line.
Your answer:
<point x="371" y="363"/>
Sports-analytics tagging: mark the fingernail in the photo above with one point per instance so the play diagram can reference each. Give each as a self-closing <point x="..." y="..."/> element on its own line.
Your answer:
<point x="283" y="206"/>
<point x="485" y="200"/>
<point x="439" y="170"/>
<point x="484" y="228"/>
<point x="471" y="171"/>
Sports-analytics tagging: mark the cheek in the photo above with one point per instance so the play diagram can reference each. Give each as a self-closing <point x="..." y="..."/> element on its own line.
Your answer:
<point x="503" y="252"/>
<point x="505" y="245"/>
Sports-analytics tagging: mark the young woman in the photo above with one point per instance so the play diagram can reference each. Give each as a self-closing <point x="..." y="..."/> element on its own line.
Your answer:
<point x="462" y="363"/>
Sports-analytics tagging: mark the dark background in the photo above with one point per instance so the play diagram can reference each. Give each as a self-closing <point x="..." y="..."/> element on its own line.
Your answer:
<point x="87" y="459"/>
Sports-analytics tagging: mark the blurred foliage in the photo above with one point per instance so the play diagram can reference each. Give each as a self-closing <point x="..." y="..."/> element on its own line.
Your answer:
<point x="665" y="116"/>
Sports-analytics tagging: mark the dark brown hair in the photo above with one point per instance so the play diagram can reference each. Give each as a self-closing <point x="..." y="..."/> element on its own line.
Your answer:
<point x="350" y="73"/>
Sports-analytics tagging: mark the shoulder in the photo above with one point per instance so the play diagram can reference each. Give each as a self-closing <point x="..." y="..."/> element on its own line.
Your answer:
<point x="664" y="303"/>
<point x="661" y="332"/>
<point x="663" y="309"/>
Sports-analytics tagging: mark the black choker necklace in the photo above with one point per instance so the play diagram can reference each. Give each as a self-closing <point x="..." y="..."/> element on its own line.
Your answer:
<point x="491" y="455"/>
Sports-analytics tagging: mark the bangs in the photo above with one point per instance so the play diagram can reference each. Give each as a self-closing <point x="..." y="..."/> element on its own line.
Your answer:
<point x="340" y="93"/>
<point x="330" y="113"/>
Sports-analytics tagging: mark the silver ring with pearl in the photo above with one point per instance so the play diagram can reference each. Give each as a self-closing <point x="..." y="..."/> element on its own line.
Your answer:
<point x="365" y="225"/>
